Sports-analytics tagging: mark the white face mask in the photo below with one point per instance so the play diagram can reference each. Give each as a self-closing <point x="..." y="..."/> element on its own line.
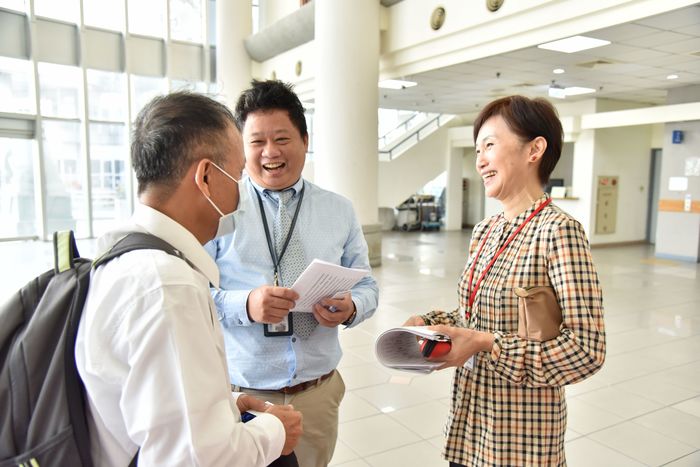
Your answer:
<point x="226" y="224"/>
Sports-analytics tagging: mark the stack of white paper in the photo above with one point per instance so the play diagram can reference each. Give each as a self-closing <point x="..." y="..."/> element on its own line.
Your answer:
<point x="323" y="279"/>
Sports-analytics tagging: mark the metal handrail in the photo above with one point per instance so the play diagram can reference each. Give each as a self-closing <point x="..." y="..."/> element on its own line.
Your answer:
<point x="404" y="124"/>
<point x="416" y="134"/>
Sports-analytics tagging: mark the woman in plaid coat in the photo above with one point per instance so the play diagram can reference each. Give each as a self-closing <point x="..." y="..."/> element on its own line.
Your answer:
<point x="508" y="405"/>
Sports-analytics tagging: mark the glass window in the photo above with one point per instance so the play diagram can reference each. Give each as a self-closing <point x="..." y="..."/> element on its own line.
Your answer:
<point x="186" y="20"/>
<point x="16" y="86"/>
<point x="19" y="5"/>
<point x="64" y="166"/>
<point x="147" y="18"/>
<point x="17" y="208"/>
<point x="106" y="14"/>
<point x="194" y="86"/>
<point x="143" y="89"/>
<point x="65" y="10"/>
<point x="60" y="88"/>
<point x="108" y="152"/>
<point x="106" y="95"/>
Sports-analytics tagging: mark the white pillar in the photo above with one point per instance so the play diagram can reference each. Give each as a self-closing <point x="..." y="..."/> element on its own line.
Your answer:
<point x="347" y="98"/>
<point x="234" y="20"/>
<point x="453" y="198"/>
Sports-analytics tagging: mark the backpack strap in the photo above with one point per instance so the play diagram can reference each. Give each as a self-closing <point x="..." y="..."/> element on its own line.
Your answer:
<point x="65" y="251"/>
<point x="138" y="241"/>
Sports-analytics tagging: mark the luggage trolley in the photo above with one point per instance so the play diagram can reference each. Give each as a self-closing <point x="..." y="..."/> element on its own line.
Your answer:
<point x="418" y="212"/>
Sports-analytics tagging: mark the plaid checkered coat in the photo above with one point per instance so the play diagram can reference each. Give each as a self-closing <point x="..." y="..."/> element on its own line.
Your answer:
<point x="510" y="409"/>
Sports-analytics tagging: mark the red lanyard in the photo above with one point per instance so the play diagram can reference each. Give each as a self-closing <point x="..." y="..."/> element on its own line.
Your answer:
<point x="475" y="287"/>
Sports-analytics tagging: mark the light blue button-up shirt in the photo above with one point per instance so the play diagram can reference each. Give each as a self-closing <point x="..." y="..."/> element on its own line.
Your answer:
<point x="328" y="230"/>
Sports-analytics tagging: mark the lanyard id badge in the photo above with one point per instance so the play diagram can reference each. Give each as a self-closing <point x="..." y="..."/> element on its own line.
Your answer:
<point x="474" y="287"/>
<point x="286" y="326"/>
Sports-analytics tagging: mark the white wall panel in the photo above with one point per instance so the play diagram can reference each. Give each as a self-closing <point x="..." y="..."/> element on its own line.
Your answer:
<point x="104" y="50"/>
<point x="13" y="35"/>
<point x="56" y="42"/>
<point x="146" y="56"/>
<point x="186" y="61"/>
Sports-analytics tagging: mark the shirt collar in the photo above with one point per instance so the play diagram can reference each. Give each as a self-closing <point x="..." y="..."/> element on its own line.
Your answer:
<point x="162" y="226"/>
<point x="263" y="191"/>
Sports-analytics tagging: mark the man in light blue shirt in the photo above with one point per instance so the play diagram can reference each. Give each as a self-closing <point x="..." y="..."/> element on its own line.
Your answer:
<point x="274" y="354"/>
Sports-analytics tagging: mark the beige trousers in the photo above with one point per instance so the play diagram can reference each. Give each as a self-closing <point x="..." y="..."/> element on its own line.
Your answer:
<point x="319" y="408"/>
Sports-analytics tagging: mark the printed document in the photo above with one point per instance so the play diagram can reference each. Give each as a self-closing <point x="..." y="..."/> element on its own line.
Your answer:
<point x="398" y="348"/>
<point x="322" y="279"/>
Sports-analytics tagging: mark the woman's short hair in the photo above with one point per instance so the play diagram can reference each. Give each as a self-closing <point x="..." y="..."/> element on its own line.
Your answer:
<point x="529" y="118"/>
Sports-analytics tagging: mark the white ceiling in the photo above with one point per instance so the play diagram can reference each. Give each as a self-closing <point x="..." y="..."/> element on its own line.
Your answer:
<point x="632" y="68"/>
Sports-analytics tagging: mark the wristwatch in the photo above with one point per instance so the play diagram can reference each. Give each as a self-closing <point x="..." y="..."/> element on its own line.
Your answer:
<point x="350" y="320"/>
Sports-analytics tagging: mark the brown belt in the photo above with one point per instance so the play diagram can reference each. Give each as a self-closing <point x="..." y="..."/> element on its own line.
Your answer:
<point x="297" y="387"/>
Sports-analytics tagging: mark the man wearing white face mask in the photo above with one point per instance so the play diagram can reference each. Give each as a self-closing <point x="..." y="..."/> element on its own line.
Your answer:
<point x="149" y="347"/>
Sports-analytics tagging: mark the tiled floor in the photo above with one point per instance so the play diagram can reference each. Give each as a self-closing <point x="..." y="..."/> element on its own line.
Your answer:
<point x="642" y="408"/>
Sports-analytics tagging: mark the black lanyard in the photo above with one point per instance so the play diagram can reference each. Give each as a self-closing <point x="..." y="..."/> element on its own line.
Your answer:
<point x="273" y="253"/>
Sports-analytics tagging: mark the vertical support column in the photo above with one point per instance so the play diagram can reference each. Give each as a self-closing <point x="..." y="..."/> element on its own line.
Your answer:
<point x="583" y="182"/>
<point x="233" y="65"/>
<point x="85" y="122"/>
<point x="345" y="138"/>
<point x="40" y="165"/>
<point x="453" y="201"/>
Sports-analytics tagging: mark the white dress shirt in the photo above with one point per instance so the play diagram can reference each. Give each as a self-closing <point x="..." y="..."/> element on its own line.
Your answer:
<point x="151" y="355"/>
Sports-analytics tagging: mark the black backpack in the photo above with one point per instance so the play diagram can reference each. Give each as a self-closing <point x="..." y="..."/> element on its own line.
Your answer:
<point x="42" y="415"/>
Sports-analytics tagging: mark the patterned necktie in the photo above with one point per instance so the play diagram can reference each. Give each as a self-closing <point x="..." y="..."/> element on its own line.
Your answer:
<point x="293" y="262"/>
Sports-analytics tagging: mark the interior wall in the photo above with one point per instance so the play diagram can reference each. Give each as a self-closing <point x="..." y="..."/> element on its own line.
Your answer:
<point x="624" y="152"/>
<point x="565" y="166"/>
<point x="405" y="175"/>
<point x="678" y="233"/>
<point x="475" y="189"/>
<point x="274" y="10"/>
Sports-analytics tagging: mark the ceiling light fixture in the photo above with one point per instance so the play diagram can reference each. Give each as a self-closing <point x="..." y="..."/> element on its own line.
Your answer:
<point x="558" y="71"/>
<point x="672" y="76"/>
<point x="578" y="90"/>
<point x="396" y="84"/>
<point x="573" y="44"/>
<point x="556" y="91"/>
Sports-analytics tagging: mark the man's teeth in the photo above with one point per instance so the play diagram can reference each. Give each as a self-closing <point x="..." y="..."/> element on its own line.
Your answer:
<point x="275" y="165"/>
<point x="489" y="174"/>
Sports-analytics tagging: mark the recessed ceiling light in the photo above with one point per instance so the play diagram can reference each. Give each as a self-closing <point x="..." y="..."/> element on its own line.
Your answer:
<point x="673" y="76"/>
<point x="396" y="84"/>
<point x="576" y="90"/>
<point x="574" y="44"/>
<point x="558" y="71"/>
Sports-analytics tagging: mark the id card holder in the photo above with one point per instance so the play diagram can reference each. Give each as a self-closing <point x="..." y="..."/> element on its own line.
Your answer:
<point x="283" y="328"/>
